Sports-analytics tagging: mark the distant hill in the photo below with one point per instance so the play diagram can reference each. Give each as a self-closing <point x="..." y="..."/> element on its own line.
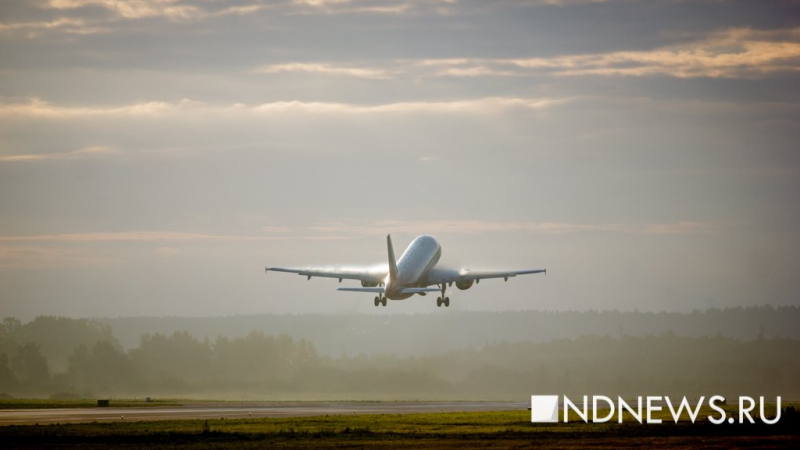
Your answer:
<point x="427" y="334"/>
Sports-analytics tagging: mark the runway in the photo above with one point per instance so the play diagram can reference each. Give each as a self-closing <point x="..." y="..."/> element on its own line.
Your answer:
<point x="240" y="411"/>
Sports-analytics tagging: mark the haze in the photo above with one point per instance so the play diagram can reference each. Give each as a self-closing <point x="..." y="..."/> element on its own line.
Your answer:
<point x="156" y="155"/>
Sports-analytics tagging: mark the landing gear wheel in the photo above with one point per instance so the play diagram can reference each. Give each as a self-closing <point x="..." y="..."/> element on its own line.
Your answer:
<point x="377" y="300"/>
<point x="384" y="301"/>
<point x="443" y="299"/>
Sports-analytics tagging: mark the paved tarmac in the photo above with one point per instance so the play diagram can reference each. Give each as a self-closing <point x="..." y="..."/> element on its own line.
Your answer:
<point x="236" y="410"/>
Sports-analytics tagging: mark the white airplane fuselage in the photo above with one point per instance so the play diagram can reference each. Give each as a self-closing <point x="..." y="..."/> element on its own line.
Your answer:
<point x="421" y="255"/>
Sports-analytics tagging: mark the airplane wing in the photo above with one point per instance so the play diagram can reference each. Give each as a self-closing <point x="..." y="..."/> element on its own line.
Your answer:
<point x="419" y="290"/>
<point x="439" y="276"/>
<point x="365" y="275"/>
<point x="381" y="290"/>
<point x="377" y="290"/>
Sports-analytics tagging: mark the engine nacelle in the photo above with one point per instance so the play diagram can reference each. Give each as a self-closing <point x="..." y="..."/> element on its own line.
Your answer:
<point x="368" y="284"/>
<point x="464" y="285"/>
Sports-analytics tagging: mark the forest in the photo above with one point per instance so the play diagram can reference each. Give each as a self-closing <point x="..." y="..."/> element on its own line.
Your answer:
<point x="60" y="357"/>
<point x="442" y="331"/>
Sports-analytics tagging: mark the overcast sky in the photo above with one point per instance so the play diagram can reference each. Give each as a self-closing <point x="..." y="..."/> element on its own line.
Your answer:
<point x="155" y="155"/>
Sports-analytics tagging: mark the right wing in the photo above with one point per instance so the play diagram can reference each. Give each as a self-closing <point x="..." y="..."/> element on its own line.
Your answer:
<point x="438" y="275"/>
<point x="371" y="276"/>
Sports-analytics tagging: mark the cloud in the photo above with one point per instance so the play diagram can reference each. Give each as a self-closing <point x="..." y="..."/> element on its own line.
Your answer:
<point x="76" y="22"/>
<point x="64" y="24"/>
<point x="129" y="236"/>
<point x="410" y="7"/>
<point x="118" y="13"/>
<point x="91" y="248"/>
<point x="324" y="69"/>
<point x="81" y="249"/>
<point x="39" y="109"/>
<point x="479" y="227"/>
<point x="36" y="108"/>
<point x="76" y="19"/>
<point x="484" y="105"/>
<point x="730" y="54"/>
<point x="87" y="152"/>
<point x="734" y="53"/>
<point x="174" y="10"/>
<point x="180" y="10"/>
<point x="563" y="2"/>
<point x="320" y="2"/>
<point x="477" y="70"/>
<point x="131" y="9"/>
<point x="350" y="230"/>
<point x="183" y="10"/>
<point x="32" y="257"/>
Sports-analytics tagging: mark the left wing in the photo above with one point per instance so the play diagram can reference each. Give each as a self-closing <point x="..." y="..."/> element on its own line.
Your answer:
<point x="439" y="276"/>
<point x="377" y="290"/>
<point x="371" y="276"/>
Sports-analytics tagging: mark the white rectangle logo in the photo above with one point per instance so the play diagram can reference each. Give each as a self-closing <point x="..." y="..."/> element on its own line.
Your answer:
<point x="544" y="408"/>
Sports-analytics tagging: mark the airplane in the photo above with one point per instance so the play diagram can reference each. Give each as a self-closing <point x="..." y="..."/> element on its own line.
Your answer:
<point x="412" y="274"/>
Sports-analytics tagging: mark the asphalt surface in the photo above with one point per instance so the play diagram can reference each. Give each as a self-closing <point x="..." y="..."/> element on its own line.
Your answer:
<point x="239" y="411"/>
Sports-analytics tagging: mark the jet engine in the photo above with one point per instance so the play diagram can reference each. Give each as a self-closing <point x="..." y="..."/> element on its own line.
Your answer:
<point x="368" y="284"/>
<point x="464" y="285"/>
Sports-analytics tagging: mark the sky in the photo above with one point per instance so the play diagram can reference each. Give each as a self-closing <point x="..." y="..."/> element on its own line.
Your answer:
<point x="155" y="155"/>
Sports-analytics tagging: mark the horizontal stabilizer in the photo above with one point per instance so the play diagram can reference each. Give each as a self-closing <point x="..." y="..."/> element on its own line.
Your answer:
<point x="377" y="290"/>
<point x="419" y="290"/>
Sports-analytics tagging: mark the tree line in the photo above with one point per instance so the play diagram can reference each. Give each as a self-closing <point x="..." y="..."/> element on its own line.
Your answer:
<point x="264" y="366"/>
<point x="442" y="331"/>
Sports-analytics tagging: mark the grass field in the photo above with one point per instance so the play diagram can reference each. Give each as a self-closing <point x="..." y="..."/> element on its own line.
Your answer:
<point x="500" y="430"/>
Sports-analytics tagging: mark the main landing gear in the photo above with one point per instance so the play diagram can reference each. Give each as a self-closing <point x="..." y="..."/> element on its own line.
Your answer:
<point x="443" y="300"/>
<point x="380" y="300"/>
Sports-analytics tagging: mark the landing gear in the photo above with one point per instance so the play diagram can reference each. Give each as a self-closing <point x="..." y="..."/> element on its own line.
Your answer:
<point x="380" y="300"/>
<point x="443" y="300"/>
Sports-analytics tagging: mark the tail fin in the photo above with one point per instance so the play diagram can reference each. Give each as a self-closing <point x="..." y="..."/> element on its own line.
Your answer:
<point x="392" y="260"/>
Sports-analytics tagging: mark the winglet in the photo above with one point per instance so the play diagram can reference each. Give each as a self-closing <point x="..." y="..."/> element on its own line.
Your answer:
<point x="392" y="260"/>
